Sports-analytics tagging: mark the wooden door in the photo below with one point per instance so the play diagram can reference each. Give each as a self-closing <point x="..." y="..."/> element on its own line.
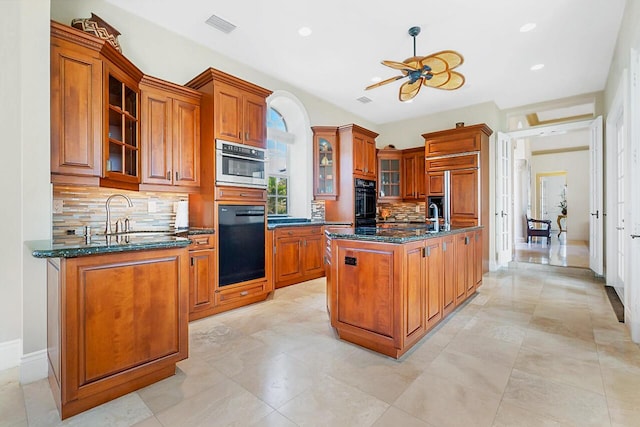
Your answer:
<point x="254" y="120"/>
<point x="435" y="183"/>
<point x="186" y="143"/>
<point x="390" y="175"/>
<point x="156" y="137"/>
<point x="460" y="248"/>
<point x="370" y="158"/>
<point x="312" y="260"/>
<point x="408" y="177"/>
<point x="464" y="197"/>
<point x="433" y="282"/>
<point x="448" y="275"/>
<point x="414" y="303"/>
<point x="76" y="113"/>
<point x="477" y="265"/>
<point x="359" y="147"/>
<point x="201" y="280"/>
<point x="227" y="104"/>
<point x="287" y="258"/>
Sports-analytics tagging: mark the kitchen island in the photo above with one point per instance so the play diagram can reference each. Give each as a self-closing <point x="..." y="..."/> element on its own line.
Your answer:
<point x="387" y="287"/>
<point x="117" y="314"/>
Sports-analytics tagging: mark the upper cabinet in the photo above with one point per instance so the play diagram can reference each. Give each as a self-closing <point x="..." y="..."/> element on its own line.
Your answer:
<point x="414" y="176"/>
<point x="363" y="144"/>
<point x="170" y="136"/>
<point x="94" y="112"/>
<point x="325" y="162"/>
<point x="389" y="175"/>
<point x="235" y="110"/>
<point x="459" y="140"/>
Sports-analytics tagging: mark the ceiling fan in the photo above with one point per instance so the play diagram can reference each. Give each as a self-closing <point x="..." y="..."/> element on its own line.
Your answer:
<point x="435" y="70"/>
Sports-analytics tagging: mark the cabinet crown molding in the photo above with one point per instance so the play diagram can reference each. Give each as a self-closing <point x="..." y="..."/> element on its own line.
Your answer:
<point x="355" y="128"/>
<point x="461" y="130"/>
<point x="212" y="75"/>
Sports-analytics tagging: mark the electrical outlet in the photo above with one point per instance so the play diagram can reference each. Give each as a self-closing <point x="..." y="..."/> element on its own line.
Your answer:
<point x="58" y="205"/>
<point x="417" y="208"/>
<point x="152" y="207"/>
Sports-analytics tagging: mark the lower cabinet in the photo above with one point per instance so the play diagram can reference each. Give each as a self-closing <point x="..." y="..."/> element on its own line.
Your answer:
<point x="115" y="323"/>
<point x="298" y="255"/>
<point x="386" y="296"/>
<point x="202" y="275"/>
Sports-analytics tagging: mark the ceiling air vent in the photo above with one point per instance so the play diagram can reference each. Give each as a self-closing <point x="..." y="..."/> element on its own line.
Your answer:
<point x="364" y="100"/>
<point x="220" y="24"/>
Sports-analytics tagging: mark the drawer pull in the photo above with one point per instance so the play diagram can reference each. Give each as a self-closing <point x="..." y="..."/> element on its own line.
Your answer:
<point x="244" y="293"/>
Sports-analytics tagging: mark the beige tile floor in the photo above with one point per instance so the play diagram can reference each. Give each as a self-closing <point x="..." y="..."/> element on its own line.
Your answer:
<point x="537" y="346"/>
<point x="560" y="251"/>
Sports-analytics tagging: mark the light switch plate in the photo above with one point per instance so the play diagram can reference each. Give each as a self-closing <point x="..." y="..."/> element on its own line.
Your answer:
<point x="417" y="208"/>
<point x="58" y="205"/>
<point x="151" y="206"/>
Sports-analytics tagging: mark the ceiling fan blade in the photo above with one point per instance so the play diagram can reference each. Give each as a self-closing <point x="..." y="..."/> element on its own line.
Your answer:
<point x="451" y="57"/>
<point x="438" y="79"/>
<point x="399" y="65"/>
<point x="384" y="82"/>
<point x="455" y="81"/>
<point x="409" y="90"/>
<point x="437" y="65"/>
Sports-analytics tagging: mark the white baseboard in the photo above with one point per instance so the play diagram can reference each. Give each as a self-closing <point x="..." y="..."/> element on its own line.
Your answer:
<point x="10" y="352"/>
<point x="33" y="366"/>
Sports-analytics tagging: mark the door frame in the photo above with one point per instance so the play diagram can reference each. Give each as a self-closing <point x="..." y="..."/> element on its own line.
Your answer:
<point x="565" y="127"/>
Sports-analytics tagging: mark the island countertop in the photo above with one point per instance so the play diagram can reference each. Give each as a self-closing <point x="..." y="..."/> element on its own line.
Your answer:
<point x="393" y="232"/>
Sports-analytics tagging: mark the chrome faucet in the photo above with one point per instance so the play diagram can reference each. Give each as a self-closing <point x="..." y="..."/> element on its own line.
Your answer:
<point x="107" y="228"/>
<point x="436" y="227"/>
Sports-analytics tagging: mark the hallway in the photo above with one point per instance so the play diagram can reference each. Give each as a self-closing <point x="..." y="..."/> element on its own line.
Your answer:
<point x="560" y="252"/>
<point x="538" y="345"/>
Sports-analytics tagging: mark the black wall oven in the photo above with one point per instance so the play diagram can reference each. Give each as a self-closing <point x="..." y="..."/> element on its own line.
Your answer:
<point x="241" y="243"/>
<point x="365" y="203"/>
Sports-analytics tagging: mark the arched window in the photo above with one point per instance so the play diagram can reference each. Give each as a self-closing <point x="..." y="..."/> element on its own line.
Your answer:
<point x="278" y="141"/>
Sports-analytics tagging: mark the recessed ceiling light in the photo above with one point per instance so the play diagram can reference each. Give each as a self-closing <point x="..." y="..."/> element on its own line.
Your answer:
<point x="537" y="67"/>
<point x="376" y="79"/>
<point x="527" y="27"/>
<point x="304" y="31"/>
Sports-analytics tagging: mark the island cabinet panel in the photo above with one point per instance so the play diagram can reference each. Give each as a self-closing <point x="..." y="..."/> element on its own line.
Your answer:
<point x="448" y="275"/>
<point x="362" y="273"/>
<point x="414" y="296"/>
<point x="477" y="263"/>
<point x="121" y="323"/>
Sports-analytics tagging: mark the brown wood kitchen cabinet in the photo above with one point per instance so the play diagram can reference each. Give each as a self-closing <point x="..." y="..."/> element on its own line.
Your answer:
<point x="465" y="152"/>
<point x="326" y="160"/>
<point x="115" y="323"/>
<point x="170" y="136"/>
<point x="233" y="109"/>
<point x="298" y="254"/>
<point x="363" y="143"/>
<point x="202" y="275"/>
<point x="413" y="177"/>
<point x="94" y="112"/>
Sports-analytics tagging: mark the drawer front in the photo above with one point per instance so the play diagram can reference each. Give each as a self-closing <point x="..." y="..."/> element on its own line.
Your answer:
<point x="298" y="231"/>
<point x="452" y="163"/>
<point x="202" y="241"/>
<point x="238" y="193"/>
<point x="228" y="296"/>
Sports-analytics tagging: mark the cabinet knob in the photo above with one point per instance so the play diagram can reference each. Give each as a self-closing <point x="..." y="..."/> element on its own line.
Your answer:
<point x="244" y="293"/>
<point x="177" y="176"/>
<point x="246" y="136"/>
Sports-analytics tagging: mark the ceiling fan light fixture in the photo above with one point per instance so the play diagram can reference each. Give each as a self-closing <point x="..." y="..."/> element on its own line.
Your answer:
<point x="433" y="70"/>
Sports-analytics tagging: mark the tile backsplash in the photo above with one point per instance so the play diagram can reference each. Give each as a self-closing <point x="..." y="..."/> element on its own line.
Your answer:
<point x="317" y="210"/>
<point x="403" y="211"/>
<point x="82" y="206"/>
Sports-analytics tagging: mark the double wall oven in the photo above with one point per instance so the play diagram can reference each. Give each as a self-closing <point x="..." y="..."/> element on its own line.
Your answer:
<point x="365" y="203"/>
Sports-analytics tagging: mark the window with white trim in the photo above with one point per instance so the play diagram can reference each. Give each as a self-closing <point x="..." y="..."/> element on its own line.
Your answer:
<point x="278" y="141"/>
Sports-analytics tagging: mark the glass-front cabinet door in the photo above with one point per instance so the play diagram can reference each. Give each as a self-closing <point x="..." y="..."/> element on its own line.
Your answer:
<point x="122" y="143"/>
<point x="325" y="162"/>
<point x="389" y="173"/>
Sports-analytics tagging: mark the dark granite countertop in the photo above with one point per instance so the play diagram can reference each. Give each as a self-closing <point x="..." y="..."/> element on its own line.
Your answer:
<point x="74" y="246"/>
<point x="279" y="222"/>
<point x="388" y="233"/>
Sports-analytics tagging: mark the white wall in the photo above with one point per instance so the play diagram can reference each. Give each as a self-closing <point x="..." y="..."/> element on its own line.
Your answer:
<point x="576" y="164"/>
